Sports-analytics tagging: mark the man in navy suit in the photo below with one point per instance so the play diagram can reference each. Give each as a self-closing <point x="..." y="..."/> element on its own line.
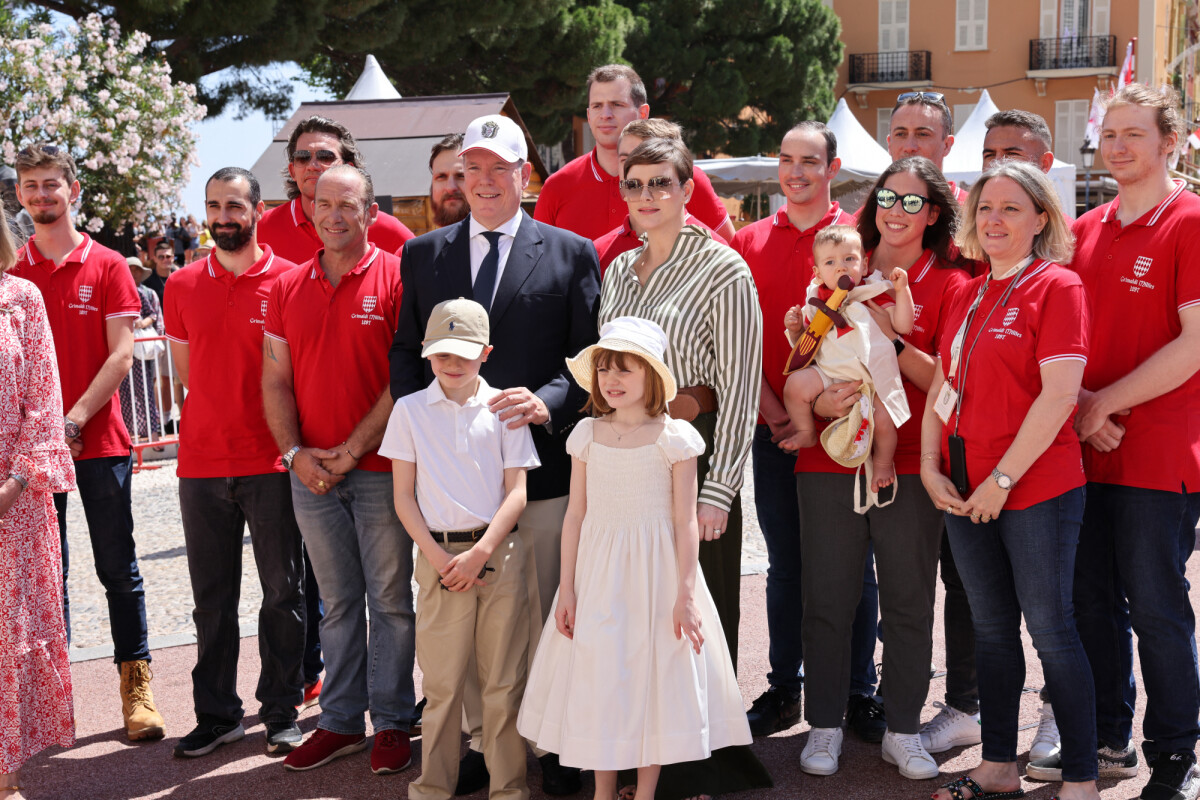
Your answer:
<point x="541" y="286"/>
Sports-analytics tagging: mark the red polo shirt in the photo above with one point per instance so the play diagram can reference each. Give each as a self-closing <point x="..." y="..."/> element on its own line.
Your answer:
<point x="339" y="339"/>
<point x="585" y="199"/>
<point x="220" y="317"/>
<point x="780" y="257"/>
<point x="623" y="239"/>
<point x="1045" y="320"/>
<point x="1139" y="277"/>
<point x="293" y="237"/>
<point x="92" y="286"/>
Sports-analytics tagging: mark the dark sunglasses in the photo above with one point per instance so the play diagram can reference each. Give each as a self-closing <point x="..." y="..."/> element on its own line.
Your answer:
<point x="48" y="149"/>
<point x="325" y="157"/>
<point x="659" y="187"/>
<point x="932" y="97"/>
<point x="911" y="203"/>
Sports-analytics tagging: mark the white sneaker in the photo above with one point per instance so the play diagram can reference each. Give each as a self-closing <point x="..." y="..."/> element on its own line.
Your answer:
<point x="1046" y="742"/>
<point x="950" y="728"/>
<point x="820" y="756"/>
<point x="905" y="751"/>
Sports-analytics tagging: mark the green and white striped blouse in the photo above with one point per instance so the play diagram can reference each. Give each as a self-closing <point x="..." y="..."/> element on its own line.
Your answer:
<point x="703" y="297"/>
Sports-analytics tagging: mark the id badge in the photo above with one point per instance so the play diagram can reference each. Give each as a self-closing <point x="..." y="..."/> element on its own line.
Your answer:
<point x="946" y="400"/>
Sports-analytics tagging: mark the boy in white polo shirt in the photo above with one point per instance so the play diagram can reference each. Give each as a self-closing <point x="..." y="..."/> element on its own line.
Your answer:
<point x="459" y="477"/>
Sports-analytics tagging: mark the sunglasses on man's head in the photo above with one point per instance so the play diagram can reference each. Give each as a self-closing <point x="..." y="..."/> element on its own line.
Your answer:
<point x="325" y="157"/>
<point x="932" y="97"/>
<point x="911" y="203"/>
<point x="48" y="149"/>
<point x="632" y="188"/>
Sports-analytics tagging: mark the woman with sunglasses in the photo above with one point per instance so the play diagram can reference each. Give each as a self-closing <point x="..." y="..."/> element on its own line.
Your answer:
<point x="907" y="223"/>
<point x="701" y="293"/>
<point x="1000" y="458"/>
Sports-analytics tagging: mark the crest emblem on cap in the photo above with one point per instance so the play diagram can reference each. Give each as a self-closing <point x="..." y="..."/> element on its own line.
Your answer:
<point x="490" y="129"/>
<point x="1142" y="266"/>
<point x="1011" y="316"/>
<point x="369" y="303"/>
<point x="85" y="293"/>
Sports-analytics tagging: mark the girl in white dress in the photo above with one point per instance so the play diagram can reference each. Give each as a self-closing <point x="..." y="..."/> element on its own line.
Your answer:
<point x="632" y="671"/>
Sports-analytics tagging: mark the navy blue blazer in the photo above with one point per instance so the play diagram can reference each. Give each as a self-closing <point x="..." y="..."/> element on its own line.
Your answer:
<point x="544" y="310"/>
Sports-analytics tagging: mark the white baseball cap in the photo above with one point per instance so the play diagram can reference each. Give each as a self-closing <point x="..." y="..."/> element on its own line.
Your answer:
<point x="497" y="134"/>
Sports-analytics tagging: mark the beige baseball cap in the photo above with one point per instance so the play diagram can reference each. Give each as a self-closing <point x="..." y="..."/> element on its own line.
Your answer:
<point x="458" y="327"/>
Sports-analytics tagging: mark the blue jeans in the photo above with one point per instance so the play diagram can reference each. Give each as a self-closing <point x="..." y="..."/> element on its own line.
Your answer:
<point x="1130" y="575"/>
<point x="779" y="519"/>
<point x="1024" y="562"/>
<point x="314" y="610"/>
<point x="105" y="490"/>
<point x="363" y="560"/>
<point x="215" y="514"/>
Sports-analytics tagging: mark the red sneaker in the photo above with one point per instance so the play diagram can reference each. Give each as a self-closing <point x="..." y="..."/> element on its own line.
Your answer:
<point x="322" y="747"/>
<point x="391" y="753"/>
<point x="312" y="695"/>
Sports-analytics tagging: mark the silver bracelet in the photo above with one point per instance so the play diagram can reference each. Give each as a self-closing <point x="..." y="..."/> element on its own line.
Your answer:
<point x="20" y="479"/>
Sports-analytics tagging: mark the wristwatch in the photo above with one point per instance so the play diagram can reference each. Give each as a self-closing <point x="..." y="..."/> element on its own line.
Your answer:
<point x="900" y="345"/>
<point x="289" y="456"/>
<point x="70" y="429"/>
<point x="1002" y="480"/>
<point x="21" y="479"/>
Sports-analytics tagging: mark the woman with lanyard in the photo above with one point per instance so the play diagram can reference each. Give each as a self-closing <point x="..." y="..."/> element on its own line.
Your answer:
<point x="907" y="223"/>
<point x="702" y="295"/>
<point x="1000" y="458"/>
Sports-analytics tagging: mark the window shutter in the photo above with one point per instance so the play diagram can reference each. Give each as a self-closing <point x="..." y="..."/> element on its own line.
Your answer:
<point x="1048" y="28"/>
<point x="1101" y="16"/>
<point x="970" y="25"/>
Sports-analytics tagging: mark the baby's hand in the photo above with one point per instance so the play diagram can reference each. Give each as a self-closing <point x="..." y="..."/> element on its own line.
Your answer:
<point x="899" y="278"/>
<point x="793" y="320"/>
<point x="687" y="622"/>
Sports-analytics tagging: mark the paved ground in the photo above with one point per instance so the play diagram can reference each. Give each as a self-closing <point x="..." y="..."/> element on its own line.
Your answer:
<point x="104" y="766"/>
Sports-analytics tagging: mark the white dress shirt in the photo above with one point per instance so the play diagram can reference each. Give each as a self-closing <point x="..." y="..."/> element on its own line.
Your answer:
<point x="480" y="247"/>
<point x="461" y="453"/>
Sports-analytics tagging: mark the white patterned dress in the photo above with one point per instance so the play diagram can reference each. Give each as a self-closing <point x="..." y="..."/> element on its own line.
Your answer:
<point x="35" y="676"/>
<point x="624" y="692"/>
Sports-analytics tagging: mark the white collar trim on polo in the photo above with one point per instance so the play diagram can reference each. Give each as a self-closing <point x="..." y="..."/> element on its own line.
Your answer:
<point x="434" y="394"/>
<point x="1158" y="210"/>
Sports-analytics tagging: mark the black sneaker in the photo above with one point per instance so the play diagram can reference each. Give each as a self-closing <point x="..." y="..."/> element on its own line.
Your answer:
<point x="1110" y="763"/>
<point x="473" y="774"/>
<point x="866" y="718"/>
<point x="283" y="737"/>
<point x="207" y="737"/>
<point x="775" y="710"/>
<point x="1173" y="776"/>
<point x="414" y="725"/>
<point x="558" y="780"/>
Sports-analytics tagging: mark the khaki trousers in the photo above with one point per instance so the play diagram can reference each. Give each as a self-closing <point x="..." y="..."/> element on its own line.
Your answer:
<point x="540" y="530"/>
<point x="473" y="637"/>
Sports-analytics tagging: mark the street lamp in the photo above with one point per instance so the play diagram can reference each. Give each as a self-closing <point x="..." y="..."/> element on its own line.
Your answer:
<point x="1088" y="154"/>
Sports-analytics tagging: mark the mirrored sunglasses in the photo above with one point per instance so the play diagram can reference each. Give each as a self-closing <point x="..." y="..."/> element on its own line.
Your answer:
<point x="326" y="157"/>
<point x="659" y="187"/>
<point x="911" y="203"/>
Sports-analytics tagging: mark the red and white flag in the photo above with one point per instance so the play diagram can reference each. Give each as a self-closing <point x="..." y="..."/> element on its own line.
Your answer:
<point x="1126" y="75"/>
<point x="1091" y="134"/>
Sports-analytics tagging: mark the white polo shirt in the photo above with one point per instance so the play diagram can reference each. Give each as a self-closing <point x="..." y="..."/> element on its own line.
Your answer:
<point x="461" y="453"/>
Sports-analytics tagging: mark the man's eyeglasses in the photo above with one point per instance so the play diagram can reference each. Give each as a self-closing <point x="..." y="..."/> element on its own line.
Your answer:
<point x="937" y="98"/>
<point x="911" y="203"/>
<point x="659" y="187"/>
<point x="326" y="157"/>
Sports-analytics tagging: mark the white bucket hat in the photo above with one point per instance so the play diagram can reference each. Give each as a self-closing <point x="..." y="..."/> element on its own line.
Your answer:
<point x="626" y="335"/>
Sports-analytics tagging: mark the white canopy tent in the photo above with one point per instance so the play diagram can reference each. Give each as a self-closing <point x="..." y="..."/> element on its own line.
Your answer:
<point x="372" y="84"/>
<point x="862" y="157"/>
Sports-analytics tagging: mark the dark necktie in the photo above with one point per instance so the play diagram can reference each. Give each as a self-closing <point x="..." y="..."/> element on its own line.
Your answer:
<point x="485" y="281"/>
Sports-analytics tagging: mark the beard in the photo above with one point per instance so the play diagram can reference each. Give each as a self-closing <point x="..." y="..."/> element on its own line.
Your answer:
<point x="450" y="209"/>
<point x="46" y="216"/>
<point x="232" y="238"/>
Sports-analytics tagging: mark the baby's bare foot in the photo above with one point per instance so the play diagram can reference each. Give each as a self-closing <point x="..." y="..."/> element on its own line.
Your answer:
<point x="883" y="474"/>
<point x="800" y="439"/>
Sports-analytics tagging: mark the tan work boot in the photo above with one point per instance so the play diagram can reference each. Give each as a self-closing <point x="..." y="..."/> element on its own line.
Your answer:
<point x="142" y="720"/>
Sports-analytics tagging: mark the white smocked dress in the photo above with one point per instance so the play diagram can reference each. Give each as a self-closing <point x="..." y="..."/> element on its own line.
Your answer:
<point x="625" y="692"/>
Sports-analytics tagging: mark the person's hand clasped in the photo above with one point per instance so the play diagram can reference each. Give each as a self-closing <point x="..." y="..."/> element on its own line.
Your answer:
<point x="941" y="489"/>
<point x="519" y="406"/>
<point x="1094" y="424"/>
<point x="461" y="572"/>
<point x="564" y="613"/>
<point x="712" y="521"/>
<point x="308" y="466"/>
<point x="985" y="503"/>
<point x="686" y="619"/>
<point x="781" y="433"/>
<point x="342" y="462"/>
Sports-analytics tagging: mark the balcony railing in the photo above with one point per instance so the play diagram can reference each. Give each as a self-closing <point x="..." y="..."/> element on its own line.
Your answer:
<point x="904" y="66"/>
<point x="1082" y="52"/>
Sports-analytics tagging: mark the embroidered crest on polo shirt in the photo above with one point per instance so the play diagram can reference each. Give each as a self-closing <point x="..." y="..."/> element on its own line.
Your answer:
<point x="1011" y="316"/>
<point x="1141" y="267"/>
<point x="490" y="129"/>
<point x="85" y="294"/>
<point x="369" y="303"/>
<point x="917" y="311"/>
<point x="1005" y="329"/>
<point x="264" y="308"/>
